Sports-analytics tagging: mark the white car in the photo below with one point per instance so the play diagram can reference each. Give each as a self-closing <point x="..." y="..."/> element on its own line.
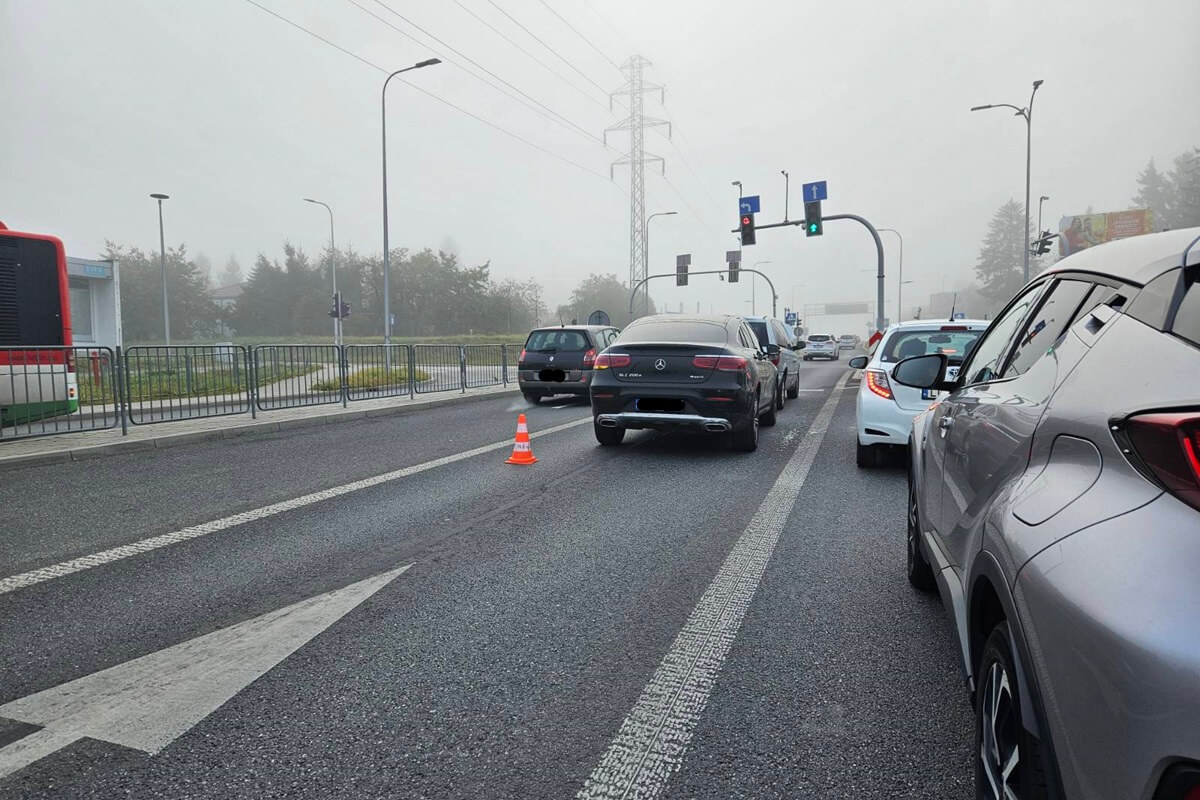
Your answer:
<point x="885" y="409"/>
<point x="822" y="345"/>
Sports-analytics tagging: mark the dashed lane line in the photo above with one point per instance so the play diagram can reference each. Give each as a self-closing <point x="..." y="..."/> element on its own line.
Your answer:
<point x="42" y="574"/>
<point x="651" y="742"/>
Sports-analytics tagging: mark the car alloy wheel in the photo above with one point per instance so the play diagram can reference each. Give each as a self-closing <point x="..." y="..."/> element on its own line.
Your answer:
<point x="920" y="574"/>
<point x="1000" y="735"/>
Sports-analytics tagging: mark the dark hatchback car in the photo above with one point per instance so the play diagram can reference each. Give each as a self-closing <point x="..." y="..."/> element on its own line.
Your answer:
<point x="1054" y="503"/>
<point x="559" y="360"/>
<point x="676" y="372"/>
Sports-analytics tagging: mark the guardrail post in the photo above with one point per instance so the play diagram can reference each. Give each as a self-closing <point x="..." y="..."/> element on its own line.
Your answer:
<point x="120" y="395"/>
<point x="412" y="371"/>
<point x="343" y="373"/>
<point x="251" y="356"/>
<point x="462" y="368"/>
<point x="504" y="364"/>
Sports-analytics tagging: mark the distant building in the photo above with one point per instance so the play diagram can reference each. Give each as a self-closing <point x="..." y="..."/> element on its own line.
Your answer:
<point x="95" y="288"/>
<point x="225" y="298"/>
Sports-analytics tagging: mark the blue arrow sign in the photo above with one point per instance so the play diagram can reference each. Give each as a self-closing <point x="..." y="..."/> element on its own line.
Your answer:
<point x="815" y="191"/>
<point x="748" y="205"/>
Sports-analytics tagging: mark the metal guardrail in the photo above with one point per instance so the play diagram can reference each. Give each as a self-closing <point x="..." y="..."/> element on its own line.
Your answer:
<point x="378" y="370"/>
<point x="442" y="363"/>
<point x="164" y="384"/>
<point x="49" y="390"/>
<point x="295" y="375"/>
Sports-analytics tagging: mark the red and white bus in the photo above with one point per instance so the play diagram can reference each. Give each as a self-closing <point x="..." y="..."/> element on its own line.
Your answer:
<point x="37" y="370"/>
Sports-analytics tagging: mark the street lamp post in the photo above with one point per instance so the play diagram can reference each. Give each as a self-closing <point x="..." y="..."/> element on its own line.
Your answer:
<point x="162" y="263"/>
<point x="387" y="309"/>
<point x="900" y="278"/>
<point x="337" y="305"/>
<point x="1027" y="114"/>
<point x="738" y="235"/>
<point x="754" y="287"/>
<point x="1041" y="200"/>
<point x="646" y="239"/>
<point x="787" y="179"/>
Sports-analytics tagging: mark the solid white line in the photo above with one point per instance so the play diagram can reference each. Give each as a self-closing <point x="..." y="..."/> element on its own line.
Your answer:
<point x="26" y="579"/>
<point x="652" y="740"/>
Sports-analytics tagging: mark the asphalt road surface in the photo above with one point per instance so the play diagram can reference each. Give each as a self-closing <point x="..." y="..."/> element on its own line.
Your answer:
<point x="384" y="608"/>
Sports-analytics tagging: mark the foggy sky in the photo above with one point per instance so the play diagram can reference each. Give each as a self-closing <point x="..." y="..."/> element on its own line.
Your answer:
<point x="238" y="116"/>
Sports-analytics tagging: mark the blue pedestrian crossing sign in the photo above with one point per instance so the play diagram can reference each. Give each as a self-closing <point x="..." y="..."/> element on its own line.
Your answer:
<point x="815" y="191"/>
<point x="748" y="205"/>
<point x="790" y="318"/>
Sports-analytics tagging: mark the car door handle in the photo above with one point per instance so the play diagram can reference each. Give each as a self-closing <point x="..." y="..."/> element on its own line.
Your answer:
<point x="945" y="422"/>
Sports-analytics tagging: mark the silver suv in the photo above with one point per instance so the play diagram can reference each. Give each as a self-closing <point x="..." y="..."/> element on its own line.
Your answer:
<point x="1054" y="502"/>
<point x="771" y="331"/>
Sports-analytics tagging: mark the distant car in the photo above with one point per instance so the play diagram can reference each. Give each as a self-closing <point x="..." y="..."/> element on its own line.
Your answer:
<point x="847" y="341"/>
<point x="821" y="345"/>
<point x="1054" y="502"/>
<point x="559" y="360"/>
<point x="884" y="411"/>
<point x="787" y="363"/>
<point x="678" y="372"/>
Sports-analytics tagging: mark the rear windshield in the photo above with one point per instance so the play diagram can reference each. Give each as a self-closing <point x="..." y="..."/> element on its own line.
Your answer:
<point x="760" y="330"/>
<point x="558" y="341"/>
<point x="819" y="337"/>
<point x="906" y="344"/>
<point x="846" y="337"/>
<point x="684" y="330"/>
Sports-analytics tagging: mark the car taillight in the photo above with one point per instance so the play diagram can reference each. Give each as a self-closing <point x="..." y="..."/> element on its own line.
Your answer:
<point x="606" y="360"/>
<point x="877" y="382"/>
<point x="521" y="357"/>
<point x="775" y="359"/>
<point x="589" y="358"/>
<point x="722" y="363"/>
<point x="1168" y="444"/>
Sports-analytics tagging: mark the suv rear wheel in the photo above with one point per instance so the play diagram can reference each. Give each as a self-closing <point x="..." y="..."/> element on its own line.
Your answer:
<point x="532" y="398"/>
<point x="794" y="391"/>
<point x="920" y="574"/>
<point x="746" y="440"/>
<point x="866" y="455"/>
<point x="1007" y="759"/>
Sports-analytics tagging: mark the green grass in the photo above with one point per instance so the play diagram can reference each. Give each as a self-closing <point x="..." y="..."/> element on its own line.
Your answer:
<point x="372" y="379"/>
<point x="157" y="383"/>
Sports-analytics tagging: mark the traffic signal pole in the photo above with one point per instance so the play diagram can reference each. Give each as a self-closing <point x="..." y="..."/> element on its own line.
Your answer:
<point x="633" y="292"/>
<point x="878" y="250"/>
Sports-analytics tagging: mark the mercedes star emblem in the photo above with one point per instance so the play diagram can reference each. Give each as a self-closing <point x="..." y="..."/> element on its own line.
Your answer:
<point x="660" y="364"/>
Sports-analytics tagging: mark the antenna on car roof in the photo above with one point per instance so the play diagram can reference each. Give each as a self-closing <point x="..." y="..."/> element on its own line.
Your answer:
<point x="953" y="305"/>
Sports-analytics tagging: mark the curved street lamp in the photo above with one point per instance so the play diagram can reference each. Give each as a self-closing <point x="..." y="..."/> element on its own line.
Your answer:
<point x="387" y="309"/>
<point x="1027" y="114"/>
<point x="162" y="263"/>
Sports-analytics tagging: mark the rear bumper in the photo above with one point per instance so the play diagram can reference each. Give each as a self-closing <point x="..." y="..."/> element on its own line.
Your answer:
<point x="885" y="420"/>
<point x="574" y="382"/>
<point x="640" y="420"/>
<point x="810" y="353"/>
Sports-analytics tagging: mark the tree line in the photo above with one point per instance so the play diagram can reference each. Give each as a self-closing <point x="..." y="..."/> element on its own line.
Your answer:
<point x="1173" y="198"/>
<point x="431" y="294"/>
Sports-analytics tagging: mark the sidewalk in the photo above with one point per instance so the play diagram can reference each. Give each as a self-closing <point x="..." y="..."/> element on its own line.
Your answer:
<point x="59" y="448"/>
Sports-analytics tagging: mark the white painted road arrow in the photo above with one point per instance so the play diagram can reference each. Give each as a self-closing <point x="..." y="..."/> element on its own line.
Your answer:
<point x="148" y="702"/>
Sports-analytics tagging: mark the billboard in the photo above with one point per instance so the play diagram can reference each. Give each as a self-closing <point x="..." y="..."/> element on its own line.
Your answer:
<point x="1087" y="230"/>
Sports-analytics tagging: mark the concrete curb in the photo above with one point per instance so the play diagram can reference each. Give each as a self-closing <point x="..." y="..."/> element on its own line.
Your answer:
<point x="257" y="427"/>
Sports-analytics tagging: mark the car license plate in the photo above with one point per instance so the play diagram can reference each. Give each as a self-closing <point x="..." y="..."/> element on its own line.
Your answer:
<point x="929" y="394"/>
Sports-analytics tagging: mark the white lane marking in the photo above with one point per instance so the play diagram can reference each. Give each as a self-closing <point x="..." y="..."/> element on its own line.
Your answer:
<point x="150" y="701"/>
<point x="652" y="740"/>
<point x="26" y="579"/>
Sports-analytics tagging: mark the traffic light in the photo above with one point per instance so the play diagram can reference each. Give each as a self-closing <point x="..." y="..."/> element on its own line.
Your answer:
<point x="345" y="310"/>
<point x="747" y="231"/>
<point x="734" y="268"/>
<point x="333" y="310"/>
<point x="681" y="274"/>
<point x="812" y="219"/>
<point x="1042" y="245"/>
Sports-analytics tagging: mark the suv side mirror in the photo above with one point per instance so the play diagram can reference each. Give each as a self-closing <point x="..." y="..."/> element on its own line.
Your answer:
<point x="922" y="372"/>
<point x="799" y="345"/>
<point x="771" y="349"/>
<point x="858" y="362"/>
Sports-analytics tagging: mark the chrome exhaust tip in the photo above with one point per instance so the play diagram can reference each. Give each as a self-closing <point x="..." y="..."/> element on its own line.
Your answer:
<point x="605" y="422"/>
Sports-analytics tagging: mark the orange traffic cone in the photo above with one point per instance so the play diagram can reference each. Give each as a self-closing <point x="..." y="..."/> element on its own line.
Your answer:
<point x="522" y="453"/>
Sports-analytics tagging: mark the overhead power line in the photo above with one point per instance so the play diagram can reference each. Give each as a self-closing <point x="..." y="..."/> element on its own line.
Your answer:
<point x="557" y="116"/>
<point x="580" y="35"/>
<point x="539" y="40"/>
<point x="430" y="94"/>
<point x="534" y="58"/>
